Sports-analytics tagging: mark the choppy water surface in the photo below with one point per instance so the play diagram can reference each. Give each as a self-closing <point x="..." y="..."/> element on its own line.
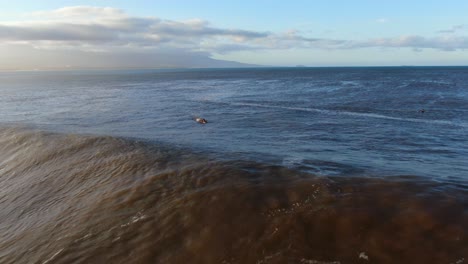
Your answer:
<point x="326" y="165"/>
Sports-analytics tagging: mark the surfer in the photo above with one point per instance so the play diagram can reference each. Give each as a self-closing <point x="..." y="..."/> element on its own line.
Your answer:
<point x="201" y="120"/>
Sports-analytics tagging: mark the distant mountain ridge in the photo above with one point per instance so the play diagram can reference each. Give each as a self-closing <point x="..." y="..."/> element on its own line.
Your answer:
<point x="34" y="59"/>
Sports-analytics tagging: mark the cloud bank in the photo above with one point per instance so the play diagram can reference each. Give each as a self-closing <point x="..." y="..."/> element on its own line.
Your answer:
<point x="94" y="27"/>
<point x="109" y="30"/>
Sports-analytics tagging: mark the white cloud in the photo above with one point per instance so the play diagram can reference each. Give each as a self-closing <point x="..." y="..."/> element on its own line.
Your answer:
<point x="78" y="12"/>
<point x="106" y="28"/>
<point x="446" y="43"/>
<point x="112" y="31"/>
<point x="452" y="30"/>
<point x="84" y="26"/>
<point x="382" y="20"/>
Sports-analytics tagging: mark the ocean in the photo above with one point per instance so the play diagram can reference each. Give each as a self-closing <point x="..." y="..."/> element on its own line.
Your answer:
<point x="295" y="165"/>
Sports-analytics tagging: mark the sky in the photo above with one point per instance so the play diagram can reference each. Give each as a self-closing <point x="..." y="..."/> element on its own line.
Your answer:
<point x="61" y="34"/>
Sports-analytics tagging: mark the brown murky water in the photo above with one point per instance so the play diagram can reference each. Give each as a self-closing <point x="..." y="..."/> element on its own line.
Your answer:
<point x="87" y="199"/>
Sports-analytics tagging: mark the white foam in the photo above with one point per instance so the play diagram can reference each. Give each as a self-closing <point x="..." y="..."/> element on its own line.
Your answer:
<point x="292" y="161"/>
<point x="363" y="255"/>
<point x="138" y="217"/>
<point x="83" y="238"/>
<point x="368" y="115"/>
<point x="53" y="256"/>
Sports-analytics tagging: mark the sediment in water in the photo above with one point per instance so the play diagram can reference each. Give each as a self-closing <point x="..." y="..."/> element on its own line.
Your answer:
<point x="91" y="199"/>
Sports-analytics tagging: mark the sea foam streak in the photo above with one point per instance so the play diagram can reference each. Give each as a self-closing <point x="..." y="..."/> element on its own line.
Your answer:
<point x="357" y="114"/>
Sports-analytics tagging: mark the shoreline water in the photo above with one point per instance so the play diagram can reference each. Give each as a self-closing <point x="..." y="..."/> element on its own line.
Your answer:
<point x="329" y="165"/>
<point x="87" y="199"/>
<point x="363" y="117"/>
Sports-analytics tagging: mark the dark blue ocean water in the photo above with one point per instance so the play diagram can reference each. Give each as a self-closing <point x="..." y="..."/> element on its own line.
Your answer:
<point x="327" y="121"/>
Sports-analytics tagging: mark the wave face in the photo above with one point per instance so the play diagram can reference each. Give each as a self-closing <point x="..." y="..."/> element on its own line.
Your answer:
<point x="67" y="198"/>
<point x="326" y="121"/>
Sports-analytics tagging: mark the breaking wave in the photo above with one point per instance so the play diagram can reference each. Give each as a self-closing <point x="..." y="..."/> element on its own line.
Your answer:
<point x="67" y="198"/>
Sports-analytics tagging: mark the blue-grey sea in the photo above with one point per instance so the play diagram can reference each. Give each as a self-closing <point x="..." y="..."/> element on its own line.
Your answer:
<point x="295" y="165"/>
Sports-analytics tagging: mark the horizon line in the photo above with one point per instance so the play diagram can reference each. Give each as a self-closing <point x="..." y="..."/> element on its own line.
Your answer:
<point x="218" y="68"/>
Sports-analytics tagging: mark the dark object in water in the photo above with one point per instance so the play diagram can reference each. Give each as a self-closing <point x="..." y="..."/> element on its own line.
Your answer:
<point x="422" y="111"/>
<point x="201" y="120"/>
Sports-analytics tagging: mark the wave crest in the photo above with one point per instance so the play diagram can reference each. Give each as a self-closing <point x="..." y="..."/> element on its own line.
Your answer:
<point x="90" y="199"/>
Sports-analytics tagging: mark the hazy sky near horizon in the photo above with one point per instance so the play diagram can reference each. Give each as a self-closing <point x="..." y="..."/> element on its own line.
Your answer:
<point x="104" y="33"/>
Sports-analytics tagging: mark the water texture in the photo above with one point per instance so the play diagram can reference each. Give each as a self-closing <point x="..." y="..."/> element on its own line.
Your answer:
<point x="320" y="165"/>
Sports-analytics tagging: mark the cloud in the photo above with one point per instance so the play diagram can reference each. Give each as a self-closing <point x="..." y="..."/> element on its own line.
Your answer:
<point x="382" y="20"/>
<point x="79" y="12"/>
<point x="106" y="29"/>
<point x="452" y="30"/>
<point x="446" y="43"/>
<point x="57" y="32"/>
<point x="78" y="29"/>
<point x="84" y="26"/>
